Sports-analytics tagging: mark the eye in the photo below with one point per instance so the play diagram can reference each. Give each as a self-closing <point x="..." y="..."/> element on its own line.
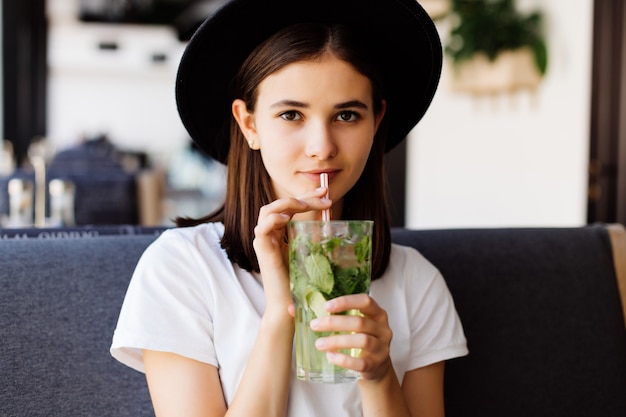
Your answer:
<point x="348" y="116"/>
<point x="291" y="115"/>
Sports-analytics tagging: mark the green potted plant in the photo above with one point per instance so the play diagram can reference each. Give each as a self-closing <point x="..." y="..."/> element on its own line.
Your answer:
<point x="494" y="47"/>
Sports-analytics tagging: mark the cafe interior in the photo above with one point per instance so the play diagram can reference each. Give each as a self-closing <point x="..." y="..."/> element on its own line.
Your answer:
<point x="513" y="185"/>
<point x="525" y="132"/>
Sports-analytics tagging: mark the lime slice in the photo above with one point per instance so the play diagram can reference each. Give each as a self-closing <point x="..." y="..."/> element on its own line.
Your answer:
<point x="316" y="301"/>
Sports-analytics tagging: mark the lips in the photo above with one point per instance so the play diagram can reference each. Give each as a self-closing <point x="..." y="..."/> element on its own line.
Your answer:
<point x="314" y="175"/>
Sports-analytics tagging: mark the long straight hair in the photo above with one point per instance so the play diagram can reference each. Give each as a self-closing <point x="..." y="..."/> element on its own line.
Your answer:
<point x="249" y="186"/>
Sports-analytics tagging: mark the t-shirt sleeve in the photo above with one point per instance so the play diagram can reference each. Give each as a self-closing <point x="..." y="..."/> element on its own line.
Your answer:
<point x="166" y="306"/>
<point x="436" y="329"/>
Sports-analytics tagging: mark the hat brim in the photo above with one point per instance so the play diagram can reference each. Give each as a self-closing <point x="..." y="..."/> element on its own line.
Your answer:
<point x="407" y="41"/>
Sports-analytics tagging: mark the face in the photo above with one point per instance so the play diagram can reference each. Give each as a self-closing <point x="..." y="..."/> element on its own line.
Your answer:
<point x="312" y="117"/>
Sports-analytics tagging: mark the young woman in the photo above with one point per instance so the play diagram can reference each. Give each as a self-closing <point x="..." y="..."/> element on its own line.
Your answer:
<point x="282" y="93"/>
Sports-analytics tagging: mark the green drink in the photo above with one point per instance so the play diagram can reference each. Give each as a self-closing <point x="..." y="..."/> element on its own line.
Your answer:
<point x="327" y="259"/>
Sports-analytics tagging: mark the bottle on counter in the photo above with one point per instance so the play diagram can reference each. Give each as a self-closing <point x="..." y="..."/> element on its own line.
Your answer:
<point x="61" y="203"/>
<point x="20" y="203"/>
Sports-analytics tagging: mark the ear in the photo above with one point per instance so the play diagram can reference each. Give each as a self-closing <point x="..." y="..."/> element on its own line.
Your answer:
<point x="245" y="120"/>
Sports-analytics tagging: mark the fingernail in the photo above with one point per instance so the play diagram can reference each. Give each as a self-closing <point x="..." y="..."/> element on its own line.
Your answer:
<point x="314" y="323"/>
<point x="320" y="343"/>
<point x="320" y="189"/>
<point x="329" y="305"/>
<point x="325" y="200"/>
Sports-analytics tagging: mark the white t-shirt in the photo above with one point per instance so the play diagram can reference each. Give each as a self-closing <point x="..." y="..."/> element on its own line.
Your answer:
<point x="186" y="297"/>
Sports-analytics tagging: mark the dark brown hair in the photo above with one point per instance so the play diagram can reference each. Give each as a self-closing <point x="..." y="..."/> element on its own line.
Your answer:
<point x="248" y="185"/>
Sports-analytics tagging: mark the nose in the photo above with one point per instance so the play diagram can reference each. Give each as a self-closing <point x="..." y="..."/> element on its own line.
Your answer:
<point x="320" y="143"/>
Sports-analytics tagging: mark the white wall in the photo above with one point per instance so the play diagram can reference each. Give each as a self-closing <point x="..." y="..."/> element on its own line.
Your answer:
<point x="121" y="93"/>
<point x="512" y="160"/>
<point x="504" y="161"/>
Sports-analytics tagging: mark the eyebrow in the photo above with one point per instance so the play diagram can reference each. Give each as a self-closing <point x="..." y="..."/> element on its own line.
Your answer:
<point x="290" y="103"/>
<point x="354" y="103"/>
<point x="294" y="103"/>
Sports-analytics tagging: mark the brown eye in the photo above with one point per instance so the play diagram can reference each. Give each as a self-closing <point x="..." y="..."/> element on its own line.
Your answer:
<point x="348" y="116"/>
<point x="290" y="115"/>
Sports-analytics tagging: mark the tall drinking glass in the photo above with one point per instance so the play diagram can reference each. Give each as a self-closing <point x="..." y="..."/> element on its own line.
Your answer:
<point x="327" y="259"/>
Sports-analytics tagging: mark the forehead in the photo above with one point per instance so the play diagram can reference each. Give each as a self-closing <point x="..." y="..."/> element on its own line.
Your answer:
<point x="326" y="76"/>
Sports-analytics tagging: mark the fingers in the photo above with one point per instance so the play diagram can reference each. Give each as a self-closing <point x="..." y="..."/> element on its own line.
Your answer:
<point x="358" y="329"/>
<point x="370" y="368"/>
<point x="364" y="353"/>
<point x="269" y="232"/>
<point x="370" y="319"/>
<point x="277" y="214"/>
<point x="362" y="302"/>
<point x="312" y="200"/>
<point x="274" y="217"/>
<point x="368" y="333"/>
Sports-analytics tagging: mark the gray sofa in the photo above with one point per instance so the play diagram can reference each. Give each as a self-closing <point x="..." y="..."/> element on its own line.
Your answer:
<point x="541" y="309"/>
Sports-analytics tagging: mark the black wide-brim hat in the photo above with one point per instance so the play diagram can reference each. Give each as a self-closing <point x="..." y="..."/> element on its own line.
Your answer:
<point x="405" y="37"/>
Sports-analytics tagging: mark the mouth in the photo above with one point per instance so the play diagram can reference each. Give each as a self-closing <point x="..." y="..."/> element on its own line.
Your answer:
<point x="314" y="175"/>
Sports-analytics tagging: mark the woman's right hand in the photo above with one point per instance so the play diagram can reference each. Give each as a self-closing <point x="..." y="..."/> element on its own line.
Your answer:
<point x="269" y="238"/>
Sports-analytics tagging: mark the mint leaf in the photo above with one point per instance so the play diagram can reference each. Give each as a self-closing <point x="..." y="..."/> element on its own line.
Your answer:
<point x="351" y="280"/>
<point x="297" y="280"/>
<point x="331" y="244"/>
<point x="346" y="280"/>
<point x="314" y="247"/>
<point x="363" y="249"/>
<point x="320" y="272"/>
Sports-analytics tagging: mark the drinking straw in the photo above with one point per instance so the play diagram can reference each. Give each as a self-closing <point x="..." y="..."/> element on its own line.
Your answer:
<point x="324" y="183"/>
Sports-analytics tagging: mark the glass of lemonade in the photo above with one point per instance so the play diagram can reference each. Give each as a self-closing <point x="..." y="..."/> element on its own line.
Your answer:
<point x="327" y="259"/>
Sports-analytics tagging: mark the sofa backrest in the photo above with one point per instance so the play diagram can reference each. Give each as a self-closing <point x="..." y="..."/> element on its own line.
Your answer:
<point x="540" y="307"/>
<point x="59" y="302"/>
<point x="542" y="314"/>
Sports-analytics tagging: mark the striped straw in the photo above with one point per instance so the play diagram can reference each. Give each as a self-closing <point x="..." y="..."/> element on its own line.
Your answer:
<point x="324" y="183"/>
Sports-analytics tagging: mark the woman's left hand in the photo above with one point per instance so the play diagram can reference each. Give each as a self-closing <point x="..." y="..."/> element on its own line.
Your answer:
<point x="370" y="333"/>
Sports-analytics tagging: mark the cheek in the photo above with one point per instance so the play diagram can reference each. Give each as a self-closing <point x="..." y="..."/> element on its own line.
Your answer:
<point x="361" y="151"/>
<point x="274" y="133"/>
<point x="276" y="155"/>
<point x="364" y="157"/>
<point x="360" y="146"/>
<point x="278" y="142"/>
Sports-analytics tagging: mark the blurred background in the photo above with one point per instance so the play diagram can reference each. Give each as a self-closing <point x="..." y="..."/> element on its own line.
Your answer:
<point x="527" y="127"/>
